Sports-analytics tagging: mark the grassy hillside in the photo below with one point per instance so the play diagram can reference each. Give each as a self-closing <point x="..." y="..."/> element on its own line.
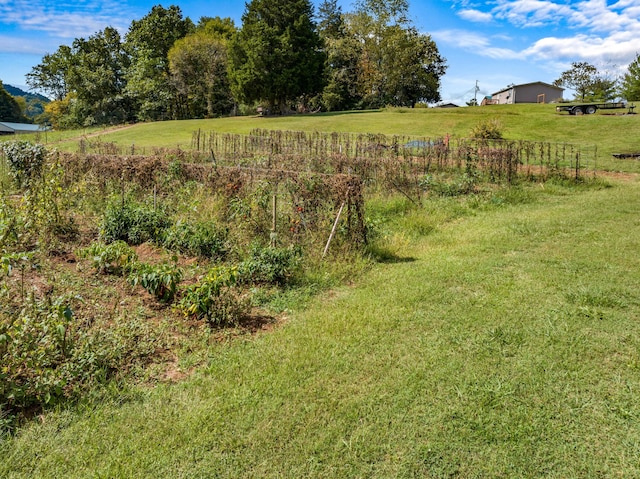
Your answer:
<point x="616" y="133"/>
<point x="504" y="344"/>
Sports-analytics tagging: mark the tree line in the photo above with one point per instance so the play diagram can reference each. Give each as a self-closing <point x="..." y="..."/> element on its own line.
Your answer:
<point x="592" y="84"/>
<point x="284" y="57"/>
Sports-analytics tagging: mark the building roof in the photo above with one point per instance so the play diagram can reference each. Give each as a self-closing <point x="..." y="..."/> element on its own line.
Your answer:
<point x="527" y="84"/>
<point x="9" y="127"/>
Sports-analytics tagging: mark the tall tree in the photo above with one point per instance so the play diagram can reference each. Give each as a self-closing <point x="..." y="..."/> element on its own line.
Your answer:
<point x="630" y="86"/>
<point x="399" y="66"/>
<point x="385" y="12"/>
<point x="50" y="75"/>
<point x="330" y="22"/>
<point x="276" y="57"/>
<point x="97" y="75"/>
<point x="581" y="77"/>
<point x="412" y="67"/>
<point x="148" y="41"/>
<point x="198" y="64"/>
<point x="343" y="53"/>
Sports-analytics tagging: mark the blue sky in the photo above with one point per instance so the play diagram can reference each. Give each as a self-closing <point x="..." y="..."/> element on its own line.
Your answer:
<point x="495" y="43"/>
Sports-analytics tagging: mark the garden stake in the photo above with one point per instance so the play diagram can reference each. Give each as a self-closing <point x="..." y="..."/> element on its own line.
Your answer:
<point x="333" y="230"/>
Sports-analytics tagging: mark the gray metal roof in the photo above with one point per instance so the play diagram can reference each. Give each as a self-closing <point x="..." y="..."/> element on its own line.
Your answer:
<point x="7" y="126"/>
<point x="527" y="84"/>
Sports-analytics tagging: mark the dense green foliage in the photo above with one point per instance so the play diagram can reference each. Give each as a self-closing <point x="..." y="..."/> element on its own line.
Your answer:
<point x="9" y="108"/>
<point x="25" y="160"/>
<point x="589" y="83"/>
<point x="32" y="105"/>
<point x="630" y="87"/>
<point x="148" y="42"/>
<point x="198" y="64"/>
<point x="133" y="223"/>
<point x="276" y="56"/>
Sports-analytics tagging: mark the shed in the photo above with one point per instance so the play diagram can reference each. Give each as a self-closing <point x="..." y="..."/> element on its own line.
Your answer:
<point x="536" y="92"/>
<point x="8" y="128"/>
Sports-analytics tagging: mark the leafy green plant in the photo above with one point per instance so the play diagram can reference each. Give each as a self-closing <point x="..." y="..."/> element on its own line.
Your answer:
<point x="213" y="298"/>
<point x="461" y="184"/>
<point x="32" y="346"/>
<point x="20" y="260"/>
<point x="270" y="265"/>
<point x="159" y="280"/>
<point x="113" y="258"/>
<point x="133" y="223"/>
<point x="25" y="159"/>
<point x="490" y="129"/>
<point x="205" y="239"/>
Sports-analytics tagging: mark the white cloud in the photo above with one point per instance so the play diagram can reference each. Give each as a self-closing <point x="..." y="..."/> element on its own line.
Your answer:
<point x="9" y="44"/>
<point x="475" y="15"/>
<point x="473" y="42"/>
<point x="618" y="48"/>
<point x="64" y="20"/>
<point x="590" y="30"/>
<point x="531" y="13"/>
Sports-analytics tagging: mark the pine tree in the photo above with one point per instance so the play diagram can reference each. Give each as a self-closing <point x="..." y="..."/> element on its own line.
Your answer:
<point x="631" y="81"/>
<point x="276" y="57"/>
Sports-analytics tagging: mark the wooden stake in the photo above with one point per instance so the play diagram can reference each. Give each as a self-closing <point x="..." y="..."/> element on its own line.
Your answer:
<point x="333" y="230"/>
<point x="274" y="220"/>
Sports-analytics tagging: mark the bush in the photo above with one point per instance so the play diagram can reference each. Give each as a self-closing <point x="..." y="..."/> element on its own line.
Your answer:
<point x="462" y="184"/>
<point x="33" y="343"/>
<point x="25" y="160"/>
<point x="133" y="224"/>
<point x="214" y="300"/>
<point x="114" y="258"/>
<point x="203" y="239"/>
<point x="269" y="265"/>
<point x="159" y="280"/>
<point x="487" y="130"/>
<point x="46" y="356"/>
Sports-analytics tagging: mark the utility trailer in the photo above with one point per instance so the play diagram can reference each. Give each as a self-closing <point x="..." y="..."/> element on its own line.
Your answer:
<point x="591" y="108"/>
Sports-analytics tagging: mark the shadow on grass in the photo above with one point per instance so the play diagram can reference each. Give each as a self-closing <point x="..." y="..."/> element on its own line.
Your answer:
<point x="395" y="259"/>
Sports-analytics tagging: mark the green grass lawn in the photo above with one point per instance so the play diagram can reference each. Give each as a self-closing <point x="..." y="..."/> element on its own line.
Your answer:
<point x="504" y="342"/>
<point x="615" y="133"/>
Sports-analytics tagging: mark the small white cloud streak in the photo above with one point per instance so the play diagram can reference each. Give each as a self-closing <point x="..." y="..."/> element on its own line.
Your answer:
<point x="473" y="15"/>
<point x="475" y="43"/>
<point x="9" y="44"/>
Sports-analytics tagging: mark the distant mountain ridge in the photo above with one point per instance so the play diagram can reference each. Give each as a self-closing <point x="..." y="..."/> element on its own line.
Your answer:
<point x="35" y="102"/>
<point x="15" y="91"/>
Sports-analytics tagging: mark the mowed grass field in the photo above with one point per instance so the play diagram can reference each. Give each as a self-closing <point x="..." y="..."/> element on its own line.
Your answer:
<point x="503" y="340"/>
<point x="609" y="132"/>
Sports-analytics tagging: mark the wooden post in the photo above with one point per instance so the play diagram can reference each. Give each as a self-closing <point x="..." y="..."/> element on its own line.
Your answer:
<point x="333" y="230"/>
<point x="274" y="218"/>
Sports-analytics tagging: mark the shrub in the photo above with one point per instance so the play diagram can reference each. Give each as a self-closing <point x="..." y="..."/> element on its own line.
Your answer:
<point x="159" y="280"/>
<point x="33" y="343"/>
<point x="203" y="239"/>
<point x="462" y="184"/>
<point x="133" y="224"/>
<point x="114" y="258"/>
<point x="487" y="130"/>
<point x="214" y="300"/>
<point x="46" y="356"/>
<point x="25" y="160"/>
<point x="269" y="265"/>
